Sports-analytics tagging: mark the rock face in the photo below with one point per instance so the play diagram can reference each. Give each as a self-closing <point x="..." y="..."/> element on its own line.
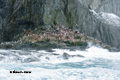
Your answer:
<point x="83" y="15"/>
<point x="109" y="6"/>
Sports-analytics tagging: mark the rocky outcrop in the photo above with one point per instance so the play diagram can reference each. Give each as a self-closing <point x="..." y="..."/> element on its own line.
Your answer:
<point x="17" y="16"/>
<point x="109" y="6"/>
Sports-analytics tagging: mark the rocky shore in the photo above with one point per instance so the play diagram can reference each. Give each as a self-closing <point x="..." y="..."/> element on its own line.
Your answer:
<point x="57" y="36"/>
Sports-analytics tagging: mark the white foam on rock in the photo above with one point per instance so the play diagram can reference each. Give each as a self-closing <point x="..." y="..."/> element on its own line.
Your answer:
<point x="92" y="52"/>
<point x="18" y="56"/>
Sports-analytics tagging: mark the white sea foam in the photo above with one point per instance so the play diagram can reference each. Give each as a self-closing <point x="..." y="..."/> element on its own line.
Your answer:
<point x="97" y="64"/>
<point x="63" y="74"/>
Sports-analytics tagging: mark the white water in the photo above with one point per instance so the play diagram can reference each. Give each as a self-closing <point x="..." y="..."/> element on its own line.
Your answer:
<point x="61" y="64"/>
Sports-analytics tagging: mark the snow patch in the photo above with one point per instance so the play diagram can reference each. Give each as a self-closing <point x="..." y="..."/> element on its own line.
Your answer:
<point x="110" y="18"/>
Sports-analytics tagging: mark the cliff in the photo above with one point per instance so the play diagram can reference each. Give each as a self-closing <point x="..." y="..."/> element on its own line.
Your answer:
<point x="85" y="16"/>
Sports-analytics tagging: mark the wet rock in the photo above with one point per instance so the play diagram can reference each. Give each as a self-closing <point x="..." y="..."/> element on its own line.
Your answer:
<point x="65" y="56"/>
<point x="50" y="50"/>
<point x="31" y="59"/>
<point x="47" y="58"/>
<point x="39" y="55"/>
<point x="84" y="46"/>
<point x="77" y="56"/>
<point x="1" y="58"/>
<point x="55" y="54"/>
<point x="5" y="53"/>
<point x="23" y="53"/>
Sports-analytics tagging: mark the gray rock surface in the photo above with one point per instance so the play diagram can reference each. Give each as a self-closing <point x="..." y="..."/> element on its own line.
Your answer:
<point x="31" y="59"/>
<point x="19" y="15"/>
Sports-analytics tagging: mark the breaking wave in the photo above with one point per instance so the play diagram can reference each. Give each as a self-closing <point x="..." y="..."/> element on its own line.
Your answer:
<point x="60" y="64"/>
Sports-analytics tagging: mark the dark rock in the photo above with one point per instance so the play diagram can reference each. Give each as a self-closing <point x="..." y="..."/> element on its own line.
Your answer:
<point x="5" y="53"/>
<point x="47" y="58"/>
<point x="23" y="53"/>
<point x="50" y="50"/>
<point x="55" y="54"/>
<point x="77" y="56"/>
<point x="31" y="59"/>
<point x="39" y="55"/>
<point x="65" y="56"/>
<point x="1" y="58"/>
<point x="84" y="46"/>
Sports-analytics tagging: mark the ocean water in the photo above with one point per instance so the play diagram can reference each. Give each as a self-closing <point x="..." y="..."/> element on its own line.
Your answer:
<point x="60" y="64"/>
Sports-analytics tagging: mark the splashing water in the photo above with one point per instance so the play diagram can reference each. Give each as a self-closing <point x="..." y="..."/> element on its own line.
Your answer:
<point x="60" y="64"/>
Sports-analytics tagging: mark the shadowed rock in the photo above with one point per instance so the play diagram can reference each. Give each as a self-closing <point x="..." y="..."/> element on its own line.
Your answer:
<point x="1" y="58"/>
<point x="31" y="59"/>
<point x="65" y="56"/>
<point x="77" y="56"/>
